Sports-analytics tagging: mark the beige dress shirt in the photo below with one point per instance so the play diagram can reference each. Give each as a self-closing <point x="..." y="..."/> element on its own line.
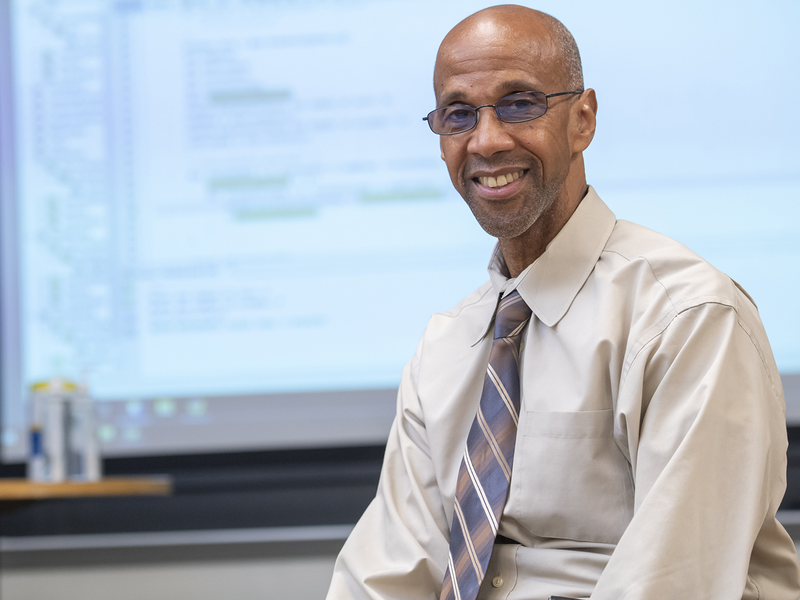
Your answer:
<point x="651" y="452"/>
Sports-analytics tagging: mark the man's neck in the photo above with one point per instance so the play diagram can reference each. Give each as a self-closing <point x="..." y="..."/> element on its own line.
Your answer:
<point x="523" y="250"/>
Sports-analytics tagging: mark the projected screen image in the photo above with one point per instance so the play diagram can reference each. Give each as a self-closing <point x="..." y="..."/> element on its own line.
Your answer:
<point x="229" y="219"/>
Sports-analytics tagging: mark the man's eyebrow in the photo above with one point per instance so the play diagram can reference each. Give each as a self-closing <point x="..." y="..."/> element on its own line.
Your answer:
<point x="505" y="88"/>
<point x="519" y="85"/>
<point x="452" y="98"/>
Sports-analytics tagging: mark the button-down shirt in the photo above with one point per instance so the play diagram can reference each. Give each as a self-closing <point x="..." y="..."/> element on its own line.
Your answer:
<point x="650" y="457"/>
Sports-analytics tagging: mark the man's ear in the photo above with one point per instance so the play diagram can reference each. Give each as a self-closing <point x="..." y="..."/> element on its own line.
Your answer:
<point x="584" y="120"/>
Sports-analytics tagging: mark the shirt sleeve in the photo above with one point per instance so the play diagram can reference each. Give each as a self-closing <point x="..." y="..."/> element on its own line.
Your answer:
<point x="399" y="546"/>
<point x="702" y="410"/>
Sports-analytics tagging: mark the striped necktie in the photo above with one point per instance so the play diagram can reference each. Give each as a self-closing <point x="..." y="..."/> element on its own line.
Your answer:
<point x="485" y="471"/>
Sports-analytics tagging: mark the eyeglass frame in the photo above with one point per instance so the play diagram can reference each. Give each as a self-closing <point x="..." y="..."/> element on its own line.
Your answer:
<point x="494" y="106"/>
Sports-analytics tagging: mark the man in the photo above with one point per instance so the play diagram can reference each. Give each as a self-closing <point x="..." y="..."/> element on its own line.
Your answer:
<point x="646" y="453"/>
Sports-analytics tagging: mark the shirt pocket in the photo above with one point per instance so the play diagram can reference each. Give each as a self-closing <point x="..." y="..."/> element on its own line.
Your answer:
<point x="572" y="482"/>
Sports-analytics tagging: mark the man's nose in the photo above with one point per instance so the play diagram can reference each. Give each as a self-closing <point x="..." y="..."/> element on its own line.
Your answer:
<point x="490" y="135"/>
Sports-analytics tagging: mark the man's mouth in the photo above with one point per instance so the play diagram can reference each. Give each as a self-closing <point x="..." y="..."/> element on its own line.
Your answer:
<point x="500" y="181"/>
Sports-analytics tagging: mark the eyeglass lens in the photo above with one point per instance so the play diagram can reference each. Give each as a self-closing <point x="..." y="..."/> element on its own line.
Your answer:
<point x="514" y="108"/>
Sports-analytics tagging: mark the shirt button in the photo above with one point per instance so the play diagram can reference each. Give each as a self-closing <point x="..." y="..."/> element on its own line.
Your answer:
<point x="497" y="582"/>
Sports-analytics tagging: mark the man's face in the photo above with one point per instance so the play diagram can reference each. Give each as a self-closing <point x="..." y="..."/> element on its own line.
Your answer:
<point x="534" y="156"/>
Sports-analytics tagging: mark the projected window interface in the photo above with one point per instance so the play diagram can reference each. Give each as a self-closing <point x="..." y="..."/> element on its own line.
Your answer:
<point x="199" y="216"/>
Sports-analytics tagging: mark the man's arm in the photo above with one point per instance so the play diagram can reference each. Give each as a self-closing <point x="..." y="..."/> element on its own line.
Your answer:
<point x="399" y="546"/>
<point x="703" y="410"/>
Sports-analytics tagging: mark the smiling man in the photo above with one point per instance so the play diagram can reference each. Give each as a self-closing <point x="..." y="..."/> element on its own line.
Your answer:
<point x="484" y="61"/>
<point x="604" y="417"/>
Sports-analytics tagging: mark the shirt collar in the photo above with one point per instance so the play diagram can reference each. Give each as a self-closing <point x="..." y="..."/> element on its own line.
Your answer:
<point x="550" y="284"/>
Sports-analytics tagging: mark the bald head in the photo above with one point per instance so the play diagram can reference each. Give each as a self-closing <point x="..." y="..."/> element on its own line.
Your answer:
<point x="533" y="33"/>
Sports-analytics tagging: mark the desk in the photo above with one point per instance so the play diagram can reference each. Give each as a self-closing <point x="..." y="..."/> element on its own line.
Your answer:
<point x="22" y="489"/>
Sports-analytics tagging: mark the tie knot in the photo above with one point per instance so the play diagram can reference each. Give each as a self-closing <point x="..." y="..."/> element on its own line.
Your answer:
<point x="512" y="314"/>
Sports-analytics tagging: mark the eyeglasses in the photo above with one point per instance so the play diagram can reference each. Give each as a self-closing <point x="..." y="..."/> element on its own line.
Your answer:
<point x="514" y="108"/>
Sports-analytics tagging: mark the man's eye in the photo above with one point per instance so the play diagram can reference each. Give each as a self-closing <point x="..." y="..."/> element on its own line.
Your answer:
<point x="522" y="103"/>
<point x="457" y="113"/>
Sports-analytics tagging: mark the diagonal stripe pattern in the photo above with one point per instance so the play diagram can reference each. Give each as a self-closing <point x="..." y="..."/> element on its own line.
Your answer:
<point x="485" y="472"/>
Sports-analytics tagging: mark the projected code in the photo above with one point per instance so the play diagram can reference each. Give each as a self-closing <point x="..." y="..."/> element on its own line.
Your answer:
<point x="78" y="190"/>
<point x="192" y="191"/>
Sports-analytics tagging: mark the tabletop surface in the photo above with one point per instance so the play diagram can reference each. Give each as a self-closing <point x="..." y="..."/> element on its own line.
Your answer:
<point x="23" y="489"/>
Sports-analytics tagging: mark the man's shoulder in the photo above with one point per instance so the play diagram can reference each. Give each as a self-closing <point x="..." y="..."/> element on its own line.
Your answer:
<point x="684" y="277"/>
<point x="468" y="318"/>
<point x="452" y="337"/>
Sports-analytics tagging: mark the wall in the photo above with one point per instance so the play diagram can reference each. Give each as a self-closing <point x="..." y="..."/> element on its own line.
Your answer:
<point x="288" y="571"/>
<point x="296" y="571"/>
